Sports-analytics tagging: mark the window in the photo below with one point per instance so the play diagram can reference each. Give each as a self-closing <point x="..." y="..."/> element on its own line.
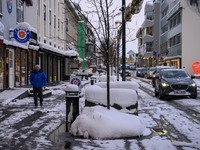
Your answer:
<point x="20" y="11"/>
<point x="149" y="46"/>
<point x="0" y="7"/>
<point x="54" y="21"/>
<point x="164" y="12"/>
<point x="149" y="31"/>
<point x="45" y="12"/>
<point x="58" y="24"/>
<point x="175" y="40"/>
<point x="164" y="29"/>
<point x="149" y="15"/>
<point x="175" y="20"/>
<point x="50" y="17"/>
<point x="38" y="8"/>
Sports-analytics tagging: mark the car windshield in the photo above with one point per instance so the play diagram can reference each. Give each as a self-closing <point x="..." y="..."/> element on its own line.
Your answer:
<point x="174" y="74"/>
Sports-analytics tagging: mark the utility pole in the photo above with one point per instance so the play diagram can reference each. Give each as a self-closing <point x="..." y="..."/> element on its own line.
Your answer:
<point x="123" y="41"/>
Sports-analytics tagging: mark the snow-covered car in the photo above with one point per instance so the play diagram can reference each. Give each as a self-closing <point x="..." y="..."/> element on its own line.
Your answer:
<point x="175" y="82"/>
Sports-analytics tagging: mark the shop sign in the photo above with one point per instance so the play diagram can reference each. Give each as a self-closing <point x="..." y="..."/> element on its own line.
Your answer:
<point x="196" y="67"/>
<point x="9" y="6"/>
<point x="22" y="33"/>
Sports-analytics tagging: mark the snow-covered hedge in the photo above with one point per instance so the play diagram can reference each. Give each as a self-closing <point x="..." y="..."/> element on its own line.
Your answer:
<point x="121" y="84"/>
<point x="122" y="97"/>
<point x="103" y="78"/>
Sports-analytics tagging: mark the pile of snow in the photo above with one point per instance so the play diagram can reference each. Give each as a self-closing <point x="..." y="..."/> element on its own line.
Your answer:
<point x="103" y="78"/>
<point x="121" y="84"/>
<point x="122" y="97"/>
<point x="100" y="123"/>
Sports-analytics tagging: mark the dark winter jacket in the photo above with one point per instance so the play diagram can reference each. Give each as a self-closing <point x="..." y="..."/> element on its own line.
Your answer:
<point x="38" y="79"/>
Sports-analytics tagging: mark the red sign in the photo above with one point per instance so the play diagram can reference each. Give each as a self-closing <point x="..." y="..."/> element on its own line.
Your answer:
<point x="196" y="67"/>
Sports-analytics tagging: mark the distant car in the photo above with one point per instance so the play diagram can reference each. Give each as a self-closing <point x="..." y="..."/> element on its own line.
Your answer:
<point x="175" y="82"/>
<point x="157" y="71"/>
<point x="141" y="72"/>
<point x="150" y="72"/>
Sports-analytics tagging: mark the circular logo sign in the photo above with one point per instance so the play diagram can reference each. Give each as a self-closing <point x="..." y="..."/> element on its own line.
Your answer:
<point x="21" y="34"/>
<point x="9" y="6"/>
<point x="196" y="67"/>
<point x="76" y="81"/>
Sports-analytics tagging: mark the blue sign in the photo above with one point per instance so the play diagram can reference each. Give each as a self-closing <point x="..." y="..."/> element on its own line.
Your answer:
<point x="21" y="34"/>
<point x="9" y="6"/>
<point x="76" y="80"/>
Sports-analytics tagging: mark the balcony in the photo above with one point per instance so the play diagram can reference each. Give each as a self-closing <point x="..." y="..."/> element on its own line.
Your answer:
<point x="148" y="38"/>
<point x="147" y="23"/>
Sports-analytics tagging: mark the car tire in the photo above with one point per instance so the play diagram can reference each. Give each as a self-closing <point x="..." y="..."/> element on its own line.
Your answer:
<point x="193" y="96"/>
<point x="156" y="93"/>
<point x="160" y="94"/>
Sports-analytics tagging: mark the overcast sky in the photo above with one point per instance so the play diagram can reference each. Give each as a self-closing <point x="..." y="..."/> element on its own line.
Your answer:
<point x="131" y="27"/>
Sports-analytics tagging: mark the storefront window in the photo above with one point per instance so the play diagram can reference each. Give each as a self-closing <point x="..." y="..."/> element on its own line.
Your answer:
<point x="50" y="68"/>
<point x="17" y="67"/>
<point x="55" y="68"/>
<point x="1" y="68"/>
<point x="23" y="68"/>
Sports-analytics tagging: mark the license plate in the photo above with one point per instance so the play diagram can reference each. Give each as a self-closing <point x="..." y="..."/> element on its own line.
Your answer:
<point x="179" y="92"/>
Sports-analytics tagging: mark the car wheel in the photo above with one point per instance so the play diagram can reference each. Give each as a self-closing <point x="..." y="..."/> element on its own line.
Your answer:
<point x="160" y="94"/>
<point x="193" y="96"/>
<point x="156" y="93"/>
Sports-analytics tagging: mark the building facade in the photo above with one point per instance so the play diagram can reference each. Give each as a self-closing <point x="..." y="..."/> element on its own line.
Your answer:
<point x="34" y="32"/>
<point x="177" y="32"/>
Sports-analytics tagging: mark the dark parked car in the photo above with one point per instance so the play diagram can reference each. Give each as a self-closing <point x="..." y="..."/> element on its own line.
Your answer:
<point x="175" y="82"/>
<point x="141" y="72"/>
<point x="150" y="72"/>
<point x="157" y="71"/>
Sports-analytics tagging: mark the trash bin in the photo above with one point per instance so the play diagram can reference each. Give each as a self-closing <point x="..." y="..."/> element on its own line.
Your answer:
<point x="72" y="105"/>
<point x="93" y="80"/>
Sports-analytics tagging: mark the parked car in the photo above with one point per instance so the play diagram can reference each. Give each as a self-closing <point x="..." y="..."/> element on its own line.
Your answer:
<point x="156" y="72"/>
<point x="141" y="72"/>
<point x="175" y="82"/>
<point x="150" y="72"/>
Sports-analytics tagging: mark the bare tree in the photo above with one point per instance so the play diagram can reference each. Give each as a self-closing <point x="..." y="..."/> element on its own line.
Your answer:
<point x="102" y="14"/>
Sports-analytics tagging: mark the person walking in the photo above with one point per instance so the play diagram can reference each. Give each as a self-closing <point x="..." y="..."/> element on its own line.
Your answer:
<point x="38" y="80"/>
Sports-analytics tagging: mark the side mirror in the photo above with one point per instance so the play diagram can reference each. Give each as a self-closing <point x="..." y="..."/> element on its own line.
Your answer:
<point x="192" y="77"/>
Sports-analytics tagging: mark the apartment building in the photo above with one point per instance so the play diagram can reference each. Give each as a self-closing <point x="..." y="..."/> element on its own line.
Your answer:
<point x="182" y="19"/>
<point x="148" y="37"/>
<point x="175" y="36"/>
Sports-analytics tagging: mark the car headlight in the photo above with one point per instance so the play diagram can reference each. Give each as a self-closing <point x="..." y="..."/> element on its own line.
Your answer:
<point x="164" y="84"/>
<point x="193" y="84"/>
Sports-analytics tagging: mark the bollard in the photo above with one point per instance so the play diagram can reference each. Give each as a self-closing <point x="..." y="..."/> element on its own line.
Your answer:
<point x="72" y="105"/>
<point x="93" y="80"/>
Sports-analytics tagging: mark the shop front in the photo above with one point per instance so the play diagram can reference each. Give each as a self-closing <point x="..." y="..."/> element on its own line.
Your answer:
<point x="171" y="61"/>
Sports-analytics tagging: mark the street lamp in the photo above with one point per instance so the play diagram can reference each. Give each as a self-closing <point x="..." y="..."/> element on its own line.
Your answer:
<point x="119" y="30"/>
<point x="123" y="41"/>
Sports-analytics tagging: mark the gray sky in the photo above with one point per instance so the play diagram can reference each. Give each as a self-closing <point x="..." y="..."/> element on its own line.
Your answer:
<point x="131" y="27"/>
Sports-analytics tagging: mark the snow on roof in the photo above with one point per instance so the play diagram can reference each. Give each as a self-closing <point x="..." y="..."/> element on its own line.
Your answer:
<point x="33" y="47"/>
<point x="122" y="97"/>
<point x="101" y="123"/>
<point x="56" y="50"/>
<point x="14" y="43"/>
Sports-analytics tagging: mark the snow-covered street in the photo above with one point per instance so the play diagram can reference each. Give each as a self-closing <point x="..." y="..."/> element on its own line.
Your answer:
<point x="169" y="125"/>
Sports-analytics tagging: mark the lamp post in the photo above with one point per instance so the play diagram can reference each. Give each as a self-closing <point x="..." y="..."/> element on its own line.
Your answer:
<point x="123" y="41"/>
<point x="119" y="31"/>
